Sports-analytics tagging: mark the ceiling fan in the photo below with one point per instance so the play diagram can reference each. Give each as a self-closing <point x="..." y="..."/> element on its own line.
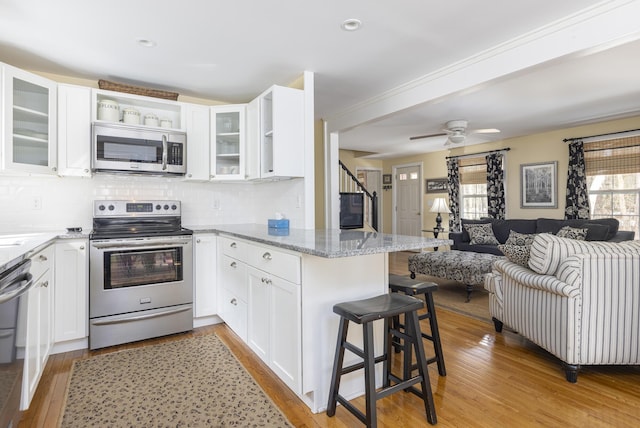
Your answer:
<point x="457" y="132"/>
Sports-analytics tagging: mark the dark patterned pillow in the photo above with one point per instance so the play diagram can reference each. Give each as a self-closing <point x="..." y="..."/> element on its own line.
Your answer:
<point x="573" y="233"/>
<point x="516" y="238"/>
<point x="516" y="253"/>
<point x="481" y="234"/>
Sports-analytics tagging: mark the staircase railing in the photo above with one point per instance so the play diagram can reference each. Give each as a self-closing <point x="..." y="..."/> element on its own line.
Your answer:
<point x="350" y="183"/>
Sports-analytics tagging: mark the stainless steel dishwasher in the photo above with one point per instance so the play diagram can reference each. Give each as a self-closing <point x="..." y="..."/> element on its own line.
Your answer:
<point x="14" y="283"/>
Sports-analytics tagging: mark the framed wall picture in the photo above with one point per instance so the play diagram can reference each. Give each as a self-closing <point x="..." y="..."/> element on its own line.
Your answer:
<point x="386" y="178"/>
<point x="539" y="185"/>
<point x="436" y="185"/>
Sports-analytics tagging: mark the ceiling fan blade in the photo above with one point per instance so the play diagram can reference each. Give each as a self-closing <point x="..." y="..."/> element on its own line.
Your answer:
<point x="419" y="137"/>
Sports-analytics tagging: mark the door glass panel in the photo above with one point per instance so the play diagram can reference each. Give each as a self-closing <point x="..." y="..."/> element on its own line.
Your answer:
<point x="142" y="267"/>
<point x="228" y="143"/>
<point x="30" y="123"/>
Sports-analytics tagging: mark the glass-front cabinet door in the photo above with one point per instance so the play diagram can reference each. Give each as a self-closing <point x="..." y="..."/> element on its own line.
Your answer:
<point x="228" y="142"/>
<point x="29" y="109"/>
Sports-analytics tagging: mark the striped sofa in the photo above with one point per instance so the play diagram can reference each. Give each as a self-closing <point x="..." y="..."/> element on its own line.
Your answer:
<point x="578" y="300"/>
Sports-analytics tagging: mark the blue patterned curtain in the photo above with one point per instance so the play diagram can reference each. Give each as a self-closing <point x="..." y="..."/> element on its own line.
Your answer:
<point x="453" y="176"/>
<point x="577" y="206"/>
<point x="495" y="186"/>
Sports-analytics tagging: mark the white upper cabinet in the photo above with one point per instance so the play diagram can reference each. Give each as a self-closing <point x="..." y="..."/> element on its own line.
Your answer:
<point x="228" y="129"/>
<point x="198" y="142"/>
<point x="29" y="118"/>
<point x="281" y="133"/>
<point x="74" y="131"/>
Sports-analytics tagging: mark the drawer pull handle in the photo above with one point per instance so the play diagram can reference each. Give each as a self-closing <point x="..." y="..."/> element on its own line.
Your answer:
<point x="197" y="241"/>
<point x="233" y="245"/>
<point x="42" y="258"/>
<point x="81" y="247"/>
<point x="233" y="265"/>
<point x="266" y="256"/>
<point x="45" y="284"/>
<point x="234" y="302"/>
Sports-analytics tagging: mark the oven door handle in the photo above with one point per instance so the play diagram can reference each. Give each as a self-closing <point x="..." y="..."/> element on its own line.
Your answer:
<point x="141" y="317"/>
<point x="100" y="245"/>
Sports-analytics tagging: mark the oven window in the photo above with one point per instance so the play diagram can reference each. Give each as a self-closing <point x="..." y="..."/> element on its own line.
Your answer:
<point x="142" y="267"/>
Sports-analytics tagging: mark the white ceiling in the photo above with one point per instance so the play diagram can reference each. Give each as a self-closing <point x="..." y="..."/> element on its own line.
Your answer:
<point x="233" y="50"/>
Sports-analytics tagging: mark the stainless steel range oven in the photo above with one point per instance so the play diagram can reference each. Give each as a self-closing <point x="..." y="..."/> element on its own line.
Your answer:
<point x="140" y="272"/>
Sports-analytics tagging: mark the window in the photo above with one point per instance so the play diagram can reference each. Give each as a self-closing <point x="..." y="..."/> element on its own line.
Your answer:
<point x="613" y="180"/>
<point x="473" y="187"/>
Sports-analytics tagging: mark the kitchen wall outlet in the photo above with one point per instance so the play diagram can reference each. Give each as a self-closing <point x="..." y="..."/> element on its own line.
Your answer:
<point x="37" y="203"/>
<point x="216" y="204"/>
<point x="299" y="201"/>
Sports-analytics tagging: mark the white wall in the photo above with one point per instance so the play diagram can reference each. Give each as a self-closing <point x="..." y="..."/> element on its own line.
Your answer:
<point x="67" y="202"/>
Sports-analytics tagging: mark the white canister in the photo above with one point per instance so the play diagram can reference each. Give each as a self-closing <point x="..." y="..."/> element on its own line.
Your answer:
<point x="166" y="123"/>
<point x="108" y="110"/>
<point x="150" y="119"/>
<point x="131" y="115"/>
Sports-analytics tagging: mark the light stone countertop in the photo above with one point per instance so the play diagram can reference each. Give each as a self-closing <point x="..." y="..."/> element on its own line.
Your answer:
<point x="328" y="243"/>
<point x="16" y="247"/>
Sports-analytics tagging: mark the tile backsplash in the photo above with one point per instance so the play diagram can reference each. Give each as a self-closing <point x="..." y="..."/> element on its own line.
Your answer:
<point x="51" y="203"/>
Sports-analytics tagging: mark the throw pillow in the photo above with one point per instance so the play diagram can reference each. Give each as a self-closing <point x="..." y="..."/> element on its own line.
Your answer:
<point x="481" y="234"/>
<point x="516" y="253"/>
<point x="573" y="233"/>
<point x="516" y="238"/>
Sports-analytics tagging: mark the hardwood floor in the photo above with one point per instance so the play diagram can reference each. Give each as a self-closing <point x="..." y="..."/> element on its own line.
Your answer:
<point x="493" y="380"/>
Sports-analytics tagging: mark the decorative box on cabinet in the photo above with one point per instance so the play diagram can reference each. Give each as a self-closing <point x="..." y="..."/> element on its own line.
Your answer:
<point x="228" y="129"/>
<point x="29" y="117"/>
<point x="74" y="131"/>
<point x="205" y="280"/>
<point x="71" y="300"/>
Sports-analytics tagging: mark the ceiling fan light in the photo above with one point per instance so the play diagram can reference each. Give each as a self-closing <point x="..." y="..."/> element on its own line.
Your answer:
<point x="486" y="131"/>
<point x="456" y="138"/>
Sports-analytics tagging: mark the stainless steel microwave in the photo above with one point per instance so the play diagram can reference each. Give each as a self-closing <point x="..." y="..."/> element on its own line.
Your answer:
<point x="127" y="148"/>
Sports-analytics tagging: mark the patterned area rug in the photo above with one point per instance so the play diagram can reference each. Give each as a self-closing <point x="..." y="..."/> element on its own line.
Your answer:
<point x="452" y="295"/>
<point x="195" y="382"/>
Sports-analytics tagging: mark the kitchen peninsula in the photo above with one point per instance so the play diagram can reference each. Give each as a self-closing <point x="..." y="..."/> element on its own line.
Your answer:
<point x="276" y="289"/>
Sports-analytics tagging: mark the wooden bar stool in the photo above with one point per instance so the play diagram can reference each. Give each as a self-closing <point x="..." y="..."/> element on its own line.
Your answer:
<point x="364" y="312"/>
<point x="412" y="287"/>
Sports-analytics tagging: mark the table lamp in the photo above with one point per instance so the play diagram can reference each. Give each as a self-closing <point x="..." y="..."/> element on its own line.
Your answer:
<point x="439" y="206"/>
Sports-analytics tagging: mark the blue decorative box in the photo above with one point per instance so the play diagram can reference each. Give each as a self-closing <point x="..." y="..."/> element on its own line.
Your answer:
<point x="273" y="231"/>
<point x="278" y="224"/>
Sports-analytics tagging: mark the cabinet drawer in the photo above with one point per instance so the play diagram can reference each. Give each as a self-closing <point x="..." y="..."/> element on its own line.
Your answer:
<point x="233" y="276"/>
<point x="234" y="313"/>
<point x="41" y="262"/>
<point x="275" y="262"/>
<point x="233" y="248"/>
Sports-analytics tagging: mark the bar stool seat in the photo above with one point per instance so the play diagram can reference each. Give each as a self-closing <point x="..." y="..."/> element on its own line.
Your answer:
<point x="412" y="287"/>
<point x="364" y="312"/>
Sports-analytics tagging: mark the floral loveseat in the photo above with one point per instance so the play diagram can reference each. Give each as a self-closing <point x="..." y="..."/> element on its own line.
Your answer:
<point x="578" y="300"/>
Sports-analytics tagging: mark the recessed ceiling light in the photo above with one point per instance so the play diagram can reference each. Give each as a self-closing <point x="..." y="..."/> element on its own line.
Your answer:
<point x="146" y="43"/>
<point x="351" y="24"/>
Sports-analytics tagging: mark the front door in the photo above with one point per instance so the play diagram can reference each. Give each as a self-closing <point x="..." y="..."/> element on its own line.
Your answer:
<point x="408" y="201"/>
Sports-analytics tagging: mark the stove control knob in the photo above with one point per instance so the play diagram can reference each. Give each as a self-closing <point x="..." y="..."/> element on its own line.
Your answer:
<point x="101" y="207"/>
<point x="166" y="207"/>
<point x="158" y="207"/>
<point x="174" y="207"/>
<point x="111" y="208"/>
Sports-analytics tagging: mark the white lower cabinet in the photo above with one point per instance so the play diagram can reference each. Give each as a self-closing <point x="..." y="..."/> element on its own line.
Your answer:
<point x="274" y="325"/>
<point x="71" y="302"/>
<point x="261" y="301"/>
<point x="36" y="317"/>
<point x="204" y="275"/>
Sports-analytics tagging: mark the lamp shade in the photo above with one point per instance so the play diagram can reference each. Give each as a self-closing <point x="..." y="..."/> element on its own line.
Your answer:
<point x="439" y="206"/>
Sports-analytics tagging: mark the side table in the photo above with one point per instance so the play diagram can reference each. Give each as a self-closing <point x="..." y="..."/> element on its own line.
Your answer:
<point x="435" y="232"/>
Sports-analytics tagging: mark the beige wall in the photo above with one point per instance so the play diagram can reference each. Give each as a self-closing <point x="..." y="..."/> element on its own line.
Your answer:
<point x="542" y="147"/>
